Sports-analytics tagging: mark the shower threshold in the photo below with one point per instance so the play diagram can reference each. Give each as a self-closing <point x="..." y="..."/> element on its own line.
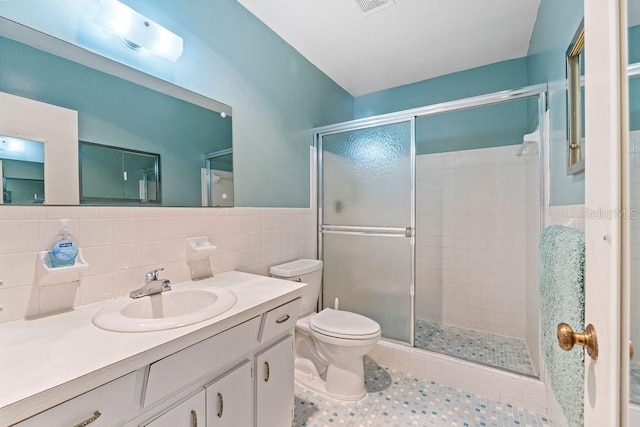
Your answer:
<point x="497" y="351"/>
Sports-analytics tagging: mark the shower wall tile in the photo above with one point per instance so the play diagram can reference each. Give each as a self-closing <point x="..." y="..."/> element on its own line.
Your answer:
<point x="122" y="243"/>
<point x="569" y="215"/>
<point x="471" y="228"/>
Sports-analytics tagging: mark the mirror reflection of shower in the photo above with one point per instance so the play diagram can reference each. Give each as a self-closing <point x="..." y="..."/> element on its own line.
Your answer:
<point x="217" y="179"/>
<point x="22" y="171"/>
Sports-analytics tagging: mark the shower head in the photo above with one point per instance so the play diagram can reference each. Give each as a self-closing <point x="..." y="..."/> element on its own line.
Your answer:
<point x="529" y="138"/>
<point x="523" y="148"/>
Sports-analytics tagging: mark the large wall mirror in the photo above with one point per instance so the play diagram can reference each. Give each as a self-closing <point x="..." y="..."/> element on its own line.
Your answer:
<point x="124" y="114"/>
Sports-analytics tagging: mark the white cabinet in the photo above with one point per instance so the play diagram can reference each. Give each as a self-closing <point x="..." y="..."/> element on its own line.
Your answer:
<point x="188" y="413"/>
<point x="240" y="377"/>
<point x="230" y="399"/>
<point x="174" y="372"/>
<point x="274" y="385"/>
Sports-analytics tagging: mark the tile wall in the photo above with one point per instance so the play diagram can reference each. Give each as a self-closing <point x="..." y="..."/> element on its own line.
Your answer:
<point x="471" y="211"/>
<point x="570" y="215"/>
<point x="121" y="243"/>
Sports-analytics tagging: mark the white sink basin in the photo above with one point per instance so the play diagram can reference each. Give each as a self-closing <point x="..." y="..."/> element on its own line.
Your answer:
<point x="172" y="309"/>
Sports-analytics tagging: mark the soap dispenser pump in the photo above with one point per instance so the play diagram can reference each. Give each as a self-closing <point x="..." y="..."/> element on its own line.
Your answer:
<point x="64" y="248"/>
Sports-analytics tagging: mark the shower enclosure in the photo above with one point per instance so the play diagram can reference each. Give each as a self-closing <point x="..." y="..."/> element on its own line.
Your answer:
<point x="429" y="221"/>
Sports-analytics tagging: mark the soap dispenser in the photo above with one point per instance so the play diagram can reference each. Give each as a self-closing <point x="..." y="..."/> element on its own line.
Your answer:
<point x="64" y="247"/>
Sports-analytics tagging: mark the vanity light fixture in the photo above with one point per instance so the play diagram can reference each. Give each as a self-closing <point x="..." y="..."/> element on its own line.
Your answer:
<point x="137" y="31"/>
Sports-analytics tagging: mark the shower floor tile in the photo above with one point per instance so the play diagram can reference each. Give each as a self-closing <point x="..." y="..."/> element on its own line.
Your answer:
<point x="480" y="347"/>
<point x="398" y="399"/>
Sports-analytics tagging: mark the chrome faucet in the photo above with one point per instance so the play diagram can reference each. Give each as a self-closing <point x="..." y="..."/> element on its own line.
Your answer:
<point x="152" y="285"/>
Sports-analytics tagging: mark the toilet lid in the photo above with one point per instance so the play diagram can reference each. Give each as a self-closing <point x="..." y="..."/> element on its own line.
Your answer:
<point x="343" y="324"/>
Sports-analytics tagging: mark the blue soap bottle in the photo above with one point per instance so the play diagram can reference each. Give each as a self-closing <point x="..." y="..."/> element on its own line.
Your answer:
<point x="64" y="248"/>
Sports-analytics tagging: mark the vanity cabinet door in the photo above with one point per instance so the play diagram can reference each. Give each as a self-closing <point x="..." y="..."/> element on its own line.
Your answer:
<point x="274" y="385"/>
<point x="188" y="413"/>
<point x="230" y="399"/>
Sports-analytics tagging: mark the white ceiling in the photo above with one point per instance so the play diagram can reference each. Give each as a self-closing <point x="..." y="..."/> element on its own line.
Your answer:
<point x="411" y="41"/>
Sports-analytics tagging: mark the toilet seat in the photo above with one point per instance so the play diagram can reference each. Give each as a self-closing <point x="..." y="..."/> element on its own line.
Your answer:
<point x="344" y="324"/>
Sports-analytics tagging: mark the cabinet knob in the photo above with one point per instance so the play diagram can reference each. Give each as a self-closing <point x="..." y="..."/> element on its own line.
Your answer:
<point x="194" y="418"/>
<point x="266" y="372"/>
<point x="89" y="420"/>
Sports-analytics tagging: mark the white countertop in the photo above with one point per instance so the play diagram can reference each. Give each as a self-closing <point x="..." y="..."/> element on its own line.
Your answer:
<point x="46" y="361"/>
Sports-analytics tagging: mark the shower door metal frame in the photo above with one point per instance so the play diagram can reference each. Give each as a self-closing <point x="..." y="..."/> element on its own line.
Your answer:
<point x="539" y="91"/>
<point x="407" y="232"/>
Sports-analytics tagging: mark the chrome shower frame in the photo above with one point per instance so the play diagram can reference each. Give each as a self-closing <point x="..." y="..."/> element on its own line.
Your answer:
<point x="528" y="92"/>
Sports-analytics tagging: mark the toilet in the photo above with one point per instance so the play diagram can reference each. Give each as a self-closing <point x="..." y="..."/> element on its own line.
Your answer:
<point x="330" y="345"/>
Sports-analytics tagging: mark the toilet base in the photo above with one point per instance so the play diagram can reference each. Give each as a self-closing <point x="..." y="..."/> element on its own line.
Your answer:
<point x="350" y="383"/>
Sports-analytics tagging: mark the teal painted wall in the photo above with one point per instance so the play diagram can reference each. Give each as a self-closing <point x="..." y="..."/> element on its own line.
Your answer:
<point x="276" y="94"/>
<point x="555" y="26"/>
<point x="500" y="125"/>
<point x="490" y="126"/>
<point x="477" y="81"/>
<point x="115" y="112"/>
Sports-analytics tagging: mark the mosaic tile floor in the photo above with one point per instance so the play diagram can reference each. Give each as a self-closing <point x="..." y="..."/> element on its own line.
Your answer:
<point x="398" y="399"/>
<point x="480" y="347"/>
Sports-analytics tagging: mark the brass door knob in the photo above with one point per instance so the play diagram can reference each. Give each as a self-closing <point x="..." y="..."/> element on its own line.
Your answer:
<point x="567" y="339"/>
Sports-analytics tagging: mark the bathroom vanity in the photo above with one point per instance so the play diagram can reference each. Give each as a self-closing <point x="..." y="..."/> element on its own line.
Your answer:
<point x="235" y="369"/>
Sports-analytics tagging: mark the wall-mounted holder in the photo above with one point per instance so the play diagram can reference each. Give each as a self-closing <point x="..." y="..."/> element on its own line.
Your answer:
<point x="199" y="251"/>
<point x="47" y="275"/>
<point x="199" y="248"/>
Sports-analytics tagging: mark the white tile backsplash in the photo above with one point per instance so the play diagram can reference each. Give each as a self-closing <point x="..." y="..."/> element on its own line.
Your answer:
<point x="121" y="243"/>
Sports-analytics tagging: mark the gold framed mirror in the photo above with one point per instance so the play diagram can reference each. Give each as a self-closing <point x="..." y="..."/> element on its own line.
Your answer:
<point x="575" y="103"/>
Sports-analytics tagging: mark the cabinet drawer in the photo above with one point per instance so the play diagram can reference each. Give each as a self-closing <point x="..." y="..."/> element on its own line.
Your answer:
<point x="108" y="405"/>
<point x="170" y="374"/>
<point x="279" y="320"/>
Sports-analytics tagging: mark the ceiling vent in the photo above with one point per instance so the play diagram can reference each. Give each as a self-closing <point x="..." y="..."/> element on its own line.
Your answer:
<point x="372" y="6"/>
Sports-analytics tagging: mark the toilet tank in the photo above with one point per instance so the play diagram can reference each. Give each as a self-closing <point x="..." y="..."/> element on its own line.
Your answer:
<point x="307" y="271"/>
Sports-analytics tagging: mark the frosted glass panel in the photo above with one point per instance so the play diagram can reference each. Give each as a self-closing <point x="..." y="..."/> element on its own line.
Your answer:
<point x="371" y="275"/>
<point x="367" y="176"/>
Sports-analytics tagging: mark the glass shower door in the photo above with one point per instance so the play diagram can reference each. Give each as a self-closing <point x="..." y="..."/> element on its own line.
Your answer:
<point x="367" y="224"/>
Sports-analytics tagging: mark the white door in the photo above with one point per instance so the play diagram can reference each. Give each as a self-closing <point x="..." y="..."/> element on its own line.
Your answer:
<point x="605" y="113"/>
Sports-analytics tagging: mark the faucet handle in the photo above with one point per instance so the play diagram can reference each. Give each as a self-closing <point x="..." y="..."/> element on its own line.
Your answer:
<point x="153" y="274"/>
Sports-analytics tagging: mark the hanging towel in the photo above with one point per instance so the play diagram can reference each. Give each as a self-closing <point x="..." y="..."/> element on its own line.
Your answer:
<point x="561" y="258"/>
